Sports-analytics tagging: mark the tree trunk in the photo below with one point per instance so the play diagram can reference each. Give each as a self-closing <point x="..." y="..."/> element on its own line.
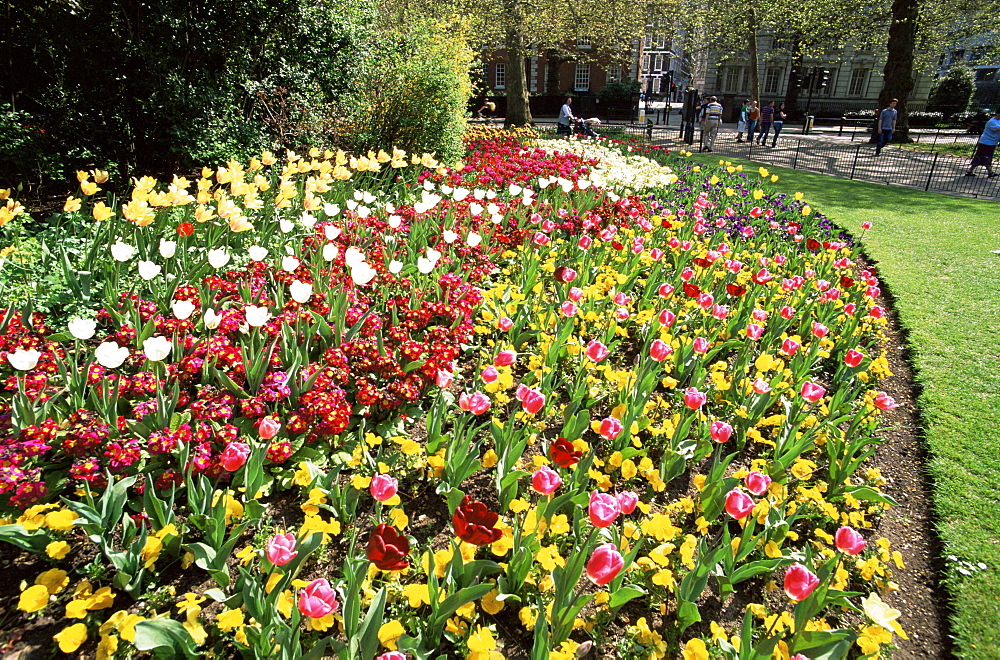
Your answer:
<point x="794" y="80"/>
<point x="898" y="71"/>
<point x="752" y="53"/>
<point x="518" y="113"/>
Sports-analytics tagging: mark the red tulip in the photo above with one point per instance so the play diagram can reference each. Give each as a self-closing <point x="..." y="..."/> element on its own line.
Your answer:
<point x="605" y="564"/>
<point x="475" y="524"/>
<point x="387" y="548"/>
<point x="787" y="312"/>
<point x="738" y="504"/>
<point x="563" y="453"/>
<point x="849" y="541"/>
<point x="800" y="582"/>
<point x="819" y="330"/>
<point x="665" y="290"/>
<point x="789" y="347"/>
<point x="667" y="318"/>
<point x="564" y="274"/>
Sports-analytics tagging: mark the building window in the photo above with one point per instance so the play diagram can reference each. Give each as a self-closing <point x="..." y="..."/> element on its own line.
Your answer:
<point x="581" y="80"/>
<point x="859" y="82"/>
<point x="647" y="62"/>
<point x="614" y="71"/>
<point x="772" y="78"/>
<point x="731" y="80"/>
<point x="583" y="42"/>
<point x="533" y="76"/>
<point x="500" y="76"/>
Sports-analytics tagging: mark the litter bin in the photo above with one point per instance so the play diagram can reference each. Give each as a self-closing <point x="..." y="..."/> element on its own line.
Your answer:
<point x="809" y="123"/>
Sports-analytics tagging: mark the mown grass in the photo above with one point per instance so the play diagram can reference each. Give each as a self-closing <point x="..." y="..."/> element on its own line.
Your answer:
<point x="933" y="255"/>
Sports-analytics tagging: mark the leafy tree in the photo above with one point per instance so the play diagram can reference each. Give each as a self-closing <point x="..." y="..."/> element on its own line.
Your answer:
<point x="953" y="93"/>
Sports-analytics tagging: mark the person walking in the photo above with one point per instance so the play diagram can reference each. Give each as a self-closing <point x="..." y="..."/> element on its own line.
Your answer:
<point x="752" y="116"/>
<point x="777" y="122"/>
<point x="566" y="118"/>
<point x="886" y="125"/>
<point x="711" y="120"/>
<point x="766" y="117"/>
<point x="986" y="147"/>
<point x="741" y="125"/>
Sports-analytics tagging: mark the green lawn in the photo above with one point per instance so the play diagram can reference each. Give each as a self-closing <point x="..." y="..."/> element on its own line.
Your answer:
<point x="933" y="255"/>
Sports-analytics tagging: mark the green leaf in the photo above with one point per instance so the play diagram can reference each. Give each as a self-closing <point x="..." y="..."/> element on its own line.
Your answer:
<point x="34" y="541"/>
<point x="165" y="638"/>
<point x="413" y="366"/>
<point x="624" y="595"/>
<point x="870" y="495"/>
<point x="823" y="644"/>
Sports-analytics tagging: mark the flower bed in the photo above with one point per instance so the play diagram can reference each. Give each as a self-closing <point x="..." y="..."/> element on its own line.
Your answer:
<point x="376" y="405"/>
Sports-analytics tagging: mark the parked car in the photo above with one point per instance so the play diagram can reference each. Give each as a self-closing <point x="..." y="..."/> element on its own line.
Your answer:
<point x="977" y="123"/>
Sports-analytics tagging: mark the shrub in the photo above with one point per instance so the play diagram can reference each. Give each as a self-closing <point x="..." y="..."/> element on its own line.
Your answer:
<point x="953" y="93"/>
<point x="618" y="92"/>
<point x="411" y="92"/>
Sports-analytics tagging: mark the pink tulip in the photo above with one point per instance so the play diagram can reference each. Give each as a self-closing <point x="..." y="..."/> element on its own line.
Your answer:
<point x="603" y="509"/>
<point x="876" y="312"/>
<point x="853" y="358"/>
<point x="383" y="487"/>
<point x="665" y="290"/>
<point x="621" y="313"/>
<point x="391" y="655"/>
<point x="720" y="312"/>
<point x="476" y="403"/>
<point x="738" y="504"/>
<point x="234" y="456"/>
<point x="597" y="351"/>
<point x="540" y="239"/>
<point x="787" y="312"/>
<point x="705" y="300"/>
<point x="720" y="431"/>
<point x="850" y="308"/>
<point x="505" y="359"/>
<point x="318" y="599"/>
<point x="545" y="480"/>
<point x="757" y="482"/>
<point x="443" y="378"/>
<point x="489" y="374"/>
<point x="800" y="582"/>
<point x="621" y="299"/>
<point x="812" y="392"/>
<point x="849" y="541"/>
<point x="883" y="401"/>
<point x="627" y="500"/>
<point x="611" y="428"/>
<point x="820" y="330"/>
<point x="564" y="274"/>
<point x="659" y="350"/>
<point x="505" y="324"/>
<point x="694" y="399"/>
<point x="568" y="309"/>
<point x="281" y="549"/>
<point x="761" y="386"/>
<point x="667" y="318"/>
<point x="759" y="315"/>
<point x="532" y="401"/>
<point x="585" y="242"/>
<point x="700" y="345"/>
<point x="268" y="428"/>
<point x="605" y="564"/>
<point x="575" y="293"/>
<point x="866" y="225"/>
<point x="789" y="347"/>
<point x="754" y="331"/>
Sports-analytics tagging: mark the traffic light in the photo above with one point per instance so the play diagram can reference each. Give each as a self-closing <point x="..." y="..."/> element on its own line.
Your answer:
<point x="795" y="79"/>
<point x="807" y="81"/>
<point x="824" y="78"/>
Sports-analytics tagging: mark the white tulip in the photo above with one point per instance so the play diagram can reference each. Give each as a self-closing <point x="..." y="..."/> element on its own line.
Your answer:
<point x="212" y="320"/>
<point x="449" y="236"/>
<point x="167" y="248"/>
<point x="111" y="355"/>
<point x="182" y="309"/>
<point x="82" y="328"/>
<point x="514" y="190"/>
<point x="447" y="190"/>
<point x="24" y="360"/>
<point x="301" y="291"/>
<point x="460" y="194"/>
<point x="218" y="258"/>
<point x="307" y="219"/>
<point x="122" y="251"/>
<point x="364" y="211"/>
<point x="424" y="265"/>
<point x="395" y="221"/>
<point x="157" y="348"/>
<point x="148" y="270"/>
<point x="479" y="194"/>
<point x="492" y="208"/>
<point x="496" y="219"/>
<point x="368" y="198"/>
<point x="286" y="225"/>
<point x="491" y="194"/>
<point x="583" y="184"/>
<point x="543" y="182"/>
<point x="330" y="251"/>
<point x="332" y="232"/>
<point x="351" y="204"/>
<point x="363" y="274"/>
<point x="289" y="263"/>
<point x="420" y="207"/>
<point x="256" y="316"/>
<point x="433" y="255"/>
<point x="358" y="195"/>
<point x="390" y="207"/>
<point x="430" y="199"/>
<point x="475" y="209"/>
<point x="353" y="257"/>
<point x="428" y="184"/>
<point x="331" y="210"/>
<point x="473" y="239"/>
<point x="566" y="185"/>
<point x="395" y="267"/>
<point x="257" y="253"/>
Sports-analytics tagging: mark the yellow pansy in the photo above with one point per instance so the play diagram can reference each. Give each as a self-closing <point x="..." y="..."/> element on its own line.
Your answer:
<point x="389" y="633"/>
<point x="33" y="598"/>
<point x="71" y="638"/>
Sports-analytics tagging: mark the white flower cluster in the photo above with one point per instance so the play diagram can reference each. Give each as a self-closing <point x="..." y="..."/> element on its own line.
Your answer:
<point x="626" y="172"/>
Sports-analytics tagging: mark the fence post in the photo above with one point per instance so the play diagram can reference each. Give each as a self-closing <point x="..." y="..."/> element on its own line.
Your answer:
<point x="933" y="164"/>
<point x="795" y="161"/>
<point x="857" y="150"/>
